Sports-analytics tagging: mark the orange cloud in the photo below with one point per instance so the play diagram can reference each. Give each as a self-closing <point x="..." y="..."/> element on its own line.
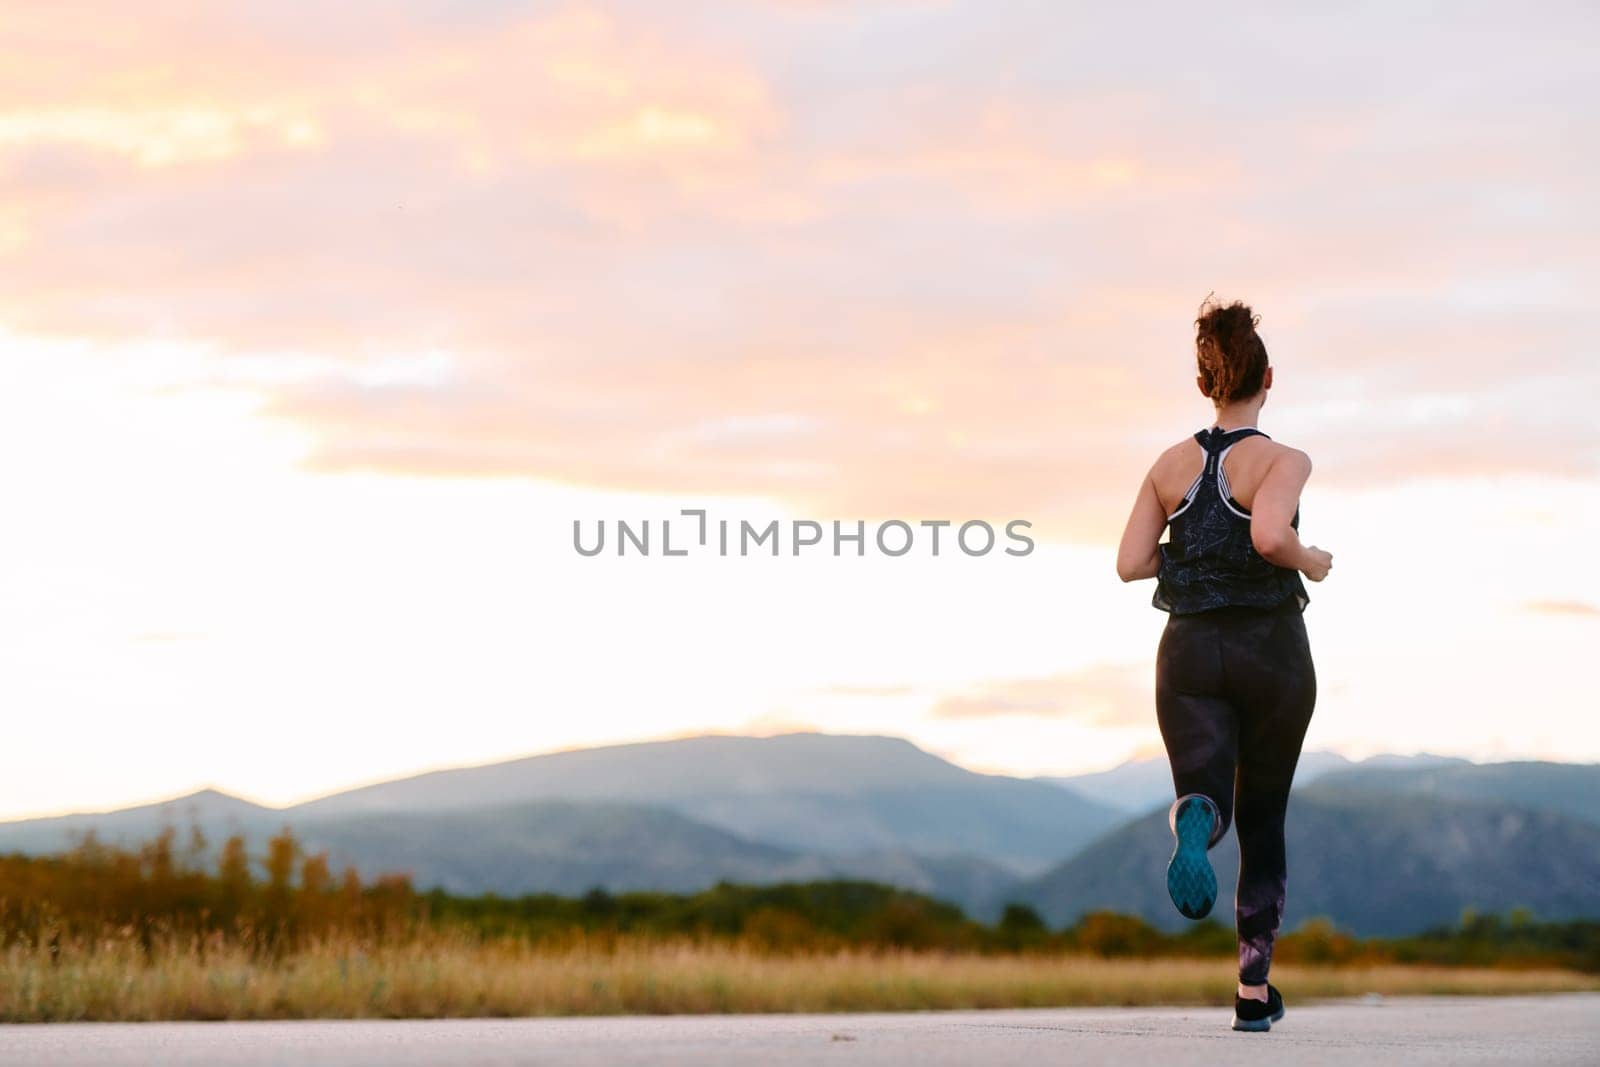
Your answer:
<point x="1579" y="608"/>
<point x="1102" y="695"/>
<point x="804" y="253"/>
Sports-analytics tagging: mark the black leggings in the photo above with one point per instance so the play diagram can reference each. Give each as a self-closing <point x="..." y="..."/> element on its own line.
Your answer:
<point x="1234" y="693"/>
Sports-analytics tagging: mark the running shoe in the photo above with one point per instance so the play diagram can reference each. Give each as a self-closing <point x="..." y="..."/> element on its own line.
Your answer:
<point x="1257" y="1016"/>
<point x="1191" y="882"/>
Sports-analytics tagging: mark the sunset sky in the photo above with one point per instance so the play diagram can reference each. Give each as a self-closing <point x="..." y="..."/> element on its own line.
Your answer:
<point x="321" y="326"/>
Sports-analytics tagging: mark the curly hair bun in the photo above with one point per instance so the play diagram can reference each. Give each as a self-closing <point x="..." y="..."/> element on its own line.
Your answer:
<point x="1230" y="354"/>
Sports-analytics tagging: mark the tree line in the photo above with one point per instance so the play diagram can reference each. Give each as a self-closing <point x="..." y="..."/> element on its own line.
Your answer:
<point x="287" y="897"/>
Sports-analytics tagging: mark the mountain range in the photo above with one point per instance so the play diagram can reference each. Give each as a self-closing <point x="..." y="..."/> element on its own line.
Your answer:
<point x="1139" y="785"/>
<point x="805" y="791"/>
<point x="1387" y="845"/>
<point x="1377" y="862"/>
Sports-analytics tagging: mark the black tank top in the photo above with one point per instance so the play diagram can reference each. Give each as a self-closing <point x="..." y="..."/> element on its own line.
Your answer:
<point x="1208" y="560"/>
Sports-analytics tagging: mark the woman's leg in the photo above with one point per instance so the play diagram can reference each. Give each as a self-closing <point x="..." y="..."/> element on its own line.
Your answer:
<point x="1198" y="724"/>
<point x="1271" y="676"/>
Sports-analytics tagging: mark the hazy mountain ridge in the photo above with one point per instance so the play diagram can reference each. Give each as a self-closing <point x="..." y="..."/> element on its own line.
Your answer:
<point x="1571" y="789"/>
<point x="215" y="813"/>
<point x="806" y="792"/>
<point x="1387" y="845"/>
<point x="1136" y="786"/>
<point x="569" y="848"/>
<point x="679" y="768"/>
<point x="542" y="847"/>
<point x="1377" y="863"/>
<point x="675" y="814"/>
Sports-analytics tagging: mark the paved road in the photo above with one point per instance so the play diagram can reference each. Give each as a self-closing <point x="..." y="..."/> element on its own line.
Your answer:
<point x="1552" y="1029"/>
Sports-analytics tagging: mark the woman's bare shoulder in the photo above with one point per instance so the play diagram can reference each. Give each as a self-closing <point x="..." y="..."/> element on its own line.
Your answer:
<point x="1280" y="449"/>
<point x="1279" y="455"/>
<point x="1269" y="449"/>
<point x="1184" y="449"/>
<point x="1186" y="453"/>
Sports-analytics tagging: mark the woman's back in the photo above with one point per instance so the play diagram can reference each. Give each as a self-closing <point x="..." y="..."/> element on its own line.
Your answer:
<point x="1244" y="467"/>
<point x="1209" y="560"/>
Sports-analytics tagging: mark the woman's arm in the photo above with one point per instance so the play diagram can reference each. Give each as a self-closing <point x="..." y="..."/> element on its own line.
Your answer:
<point x="1272" y="510"/>
<point x="1139" y="555"/>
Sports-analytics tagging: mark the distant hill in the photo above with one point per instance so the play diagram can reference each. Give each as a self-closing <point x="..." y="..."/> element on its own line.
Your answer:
<point x="215" y="813"/>
<point x="568" y="848"/>
<point x="807" y="792"/>
<point x="1139" y="785"/>
<point x="543" y="847"/>
<point x="551" y="846"/>
<point x="1376" y="863"/>
<point x="668" y="815"/>
<point x="811" y="763"/>
<point x="1387" y="845"/>
<point x="1564" y="788"/>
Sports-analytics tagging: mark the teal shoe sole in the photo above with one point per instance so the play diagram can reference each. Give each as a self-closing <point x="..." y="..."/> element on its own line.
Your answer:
<point x="1191" y="883"/>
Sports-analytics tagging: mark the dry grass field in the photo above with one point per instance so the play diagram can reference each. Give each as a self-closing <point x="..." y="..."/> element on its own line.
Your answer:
<point x="442" y="977"/>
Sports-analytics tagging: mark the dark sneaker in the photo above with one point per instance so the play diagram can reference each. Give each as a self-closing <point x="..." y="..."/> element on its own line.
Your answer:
<point x="1191" y="882"/>
<point x="1258" y="1016"/>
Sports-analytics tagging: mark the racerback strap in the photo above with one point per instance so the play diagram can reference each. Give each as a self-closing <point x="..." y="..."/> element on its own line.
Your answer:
<point x="1217" y="442"/>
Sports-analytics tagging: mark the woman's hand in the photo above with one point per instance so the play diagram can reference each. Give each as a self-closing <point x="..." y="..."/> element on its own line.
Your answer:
<point x="1317" y="563"/>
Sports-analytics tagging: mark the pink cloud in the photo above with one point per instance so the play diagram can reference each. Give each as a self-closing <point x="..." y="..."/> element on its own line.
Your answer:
<point x="1102" y="695"/>
<point x="942" y="289"/>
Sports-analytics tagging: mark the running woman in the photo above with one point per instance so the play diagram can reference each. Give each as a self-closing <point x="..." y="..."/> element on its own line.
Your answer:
<point x="1234" y="680"/>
